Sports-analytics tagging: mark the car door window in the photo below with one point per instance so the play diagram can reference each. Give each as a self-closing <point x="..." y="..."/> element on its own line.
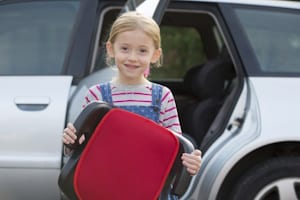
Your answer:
<point x="182" y="49"/>
<point x="274" y="36"/>
<point x="34" y="36"/>
<point x="190" y="40"/>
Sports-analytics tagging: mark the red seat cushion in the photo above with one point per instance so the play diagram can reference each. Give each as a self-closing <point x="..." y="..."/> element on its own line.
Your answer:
<point x="127" y="157"/>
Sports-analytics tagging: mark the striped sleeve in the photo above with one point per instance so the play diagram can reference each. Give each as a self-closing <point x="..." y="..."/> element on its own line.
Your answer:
<point x="168" y="113"/>
<point x="92" y="94"/>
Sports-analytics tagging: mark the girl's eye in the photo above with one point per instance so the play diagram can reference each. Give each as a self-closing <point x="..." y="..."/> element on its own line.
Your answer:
<point x="143" y="50"/>
<point x="124" y="48"/>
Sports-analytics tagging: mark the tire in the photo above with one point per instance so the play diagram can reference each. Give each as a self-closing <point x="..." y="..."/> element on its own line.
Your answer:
<point x="274" y="179"/>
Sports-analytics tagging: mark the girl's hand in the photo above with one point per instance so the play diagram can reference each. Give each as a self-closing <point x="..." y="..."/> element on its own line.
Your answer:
<point x="69" y="135"/>
<point x="192" y="161"/>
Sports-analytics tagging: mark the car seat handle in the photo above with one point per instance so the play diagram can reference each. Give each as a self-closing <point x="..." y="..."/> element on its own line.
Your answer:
<point x="86" y="121"/>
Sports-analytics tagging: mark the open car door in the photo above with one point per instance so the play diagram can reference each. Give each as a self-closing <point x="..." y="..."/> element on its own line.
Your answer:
<point x="34" y="95"/>
<point x="151" y="8"/>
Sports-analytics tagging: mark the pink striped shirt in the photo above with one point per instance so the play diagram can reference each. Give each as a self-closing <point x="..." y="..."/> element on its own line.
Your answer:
<point x="123" y="95"/>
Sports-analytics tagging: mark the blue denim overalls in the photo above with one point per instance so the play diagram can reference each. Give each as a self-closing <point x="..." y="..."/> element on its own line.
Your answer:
<point x="151" y="112"/>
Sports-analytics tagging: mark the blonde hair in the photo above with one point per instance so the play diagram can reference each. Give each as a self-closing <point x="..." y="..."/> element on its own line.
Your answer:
<point x="131" y="21"/>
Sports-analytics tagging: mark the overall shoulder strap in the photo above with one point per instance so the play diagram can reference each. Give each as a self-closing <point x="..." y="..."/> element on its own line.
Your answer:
<point x="156" y="95"/>
<point x="106" y="92"/>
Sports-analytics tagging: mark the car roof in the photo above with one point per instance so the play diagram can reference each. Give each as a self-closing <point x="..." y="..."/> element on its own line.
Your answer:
<point x="272" y="3"/>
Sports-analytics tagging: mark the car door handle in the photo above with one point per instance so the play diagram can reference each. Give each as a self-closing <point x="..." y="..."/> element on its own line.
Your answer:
<point x="32" y="103"/>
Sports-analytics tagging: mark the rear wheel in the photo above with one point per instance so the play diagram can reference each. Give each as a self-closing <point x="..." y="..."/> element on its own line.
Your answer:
<point x="274" y="179"/>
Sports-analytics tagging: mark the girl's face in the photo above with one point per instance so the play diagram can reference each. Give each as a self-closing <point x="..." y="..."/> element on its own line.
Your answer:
<point x="133" y="52"/>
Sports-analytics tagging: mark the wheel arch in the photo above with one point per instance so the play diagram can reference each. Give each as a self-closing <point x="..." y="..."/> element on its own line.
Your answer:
<point x="253" y="158"/>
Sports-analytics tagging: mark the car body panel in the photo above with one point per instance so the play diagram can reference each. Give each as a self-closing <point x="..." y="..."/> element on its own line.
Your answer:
<point x="28" y="100"/>
<point x="31" y="129"/>
<point x="278" y="100"/>
<point x="257" y="132"/>
<point x="29" y="183"/>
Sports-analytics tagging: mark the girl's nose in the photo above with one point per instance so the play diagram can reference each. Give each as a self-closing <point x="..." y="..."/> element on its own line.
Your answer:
<point x="132" y="56"/>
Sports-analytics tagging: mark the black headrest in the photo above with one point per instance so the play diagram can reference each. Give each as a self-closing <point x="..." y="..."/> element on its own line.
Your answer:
<point x="208" y="80"/>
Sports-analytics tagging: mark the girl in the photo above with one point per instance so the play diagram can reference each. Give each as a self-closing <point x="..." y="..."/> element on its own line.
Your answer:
<point x="133" y="45"/>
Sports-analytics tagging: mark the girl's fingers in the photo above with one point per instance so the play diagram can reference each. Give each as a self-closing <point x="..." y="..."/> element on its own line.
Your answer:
<point x="71" y="127"/>
<point x="67" y="139"/>
<point x="191" y="168"/>
<point x="192" y="171"/>
<point x="81" y="139"/>
<point x="69" y="135"/>
<point x="192" y="161"/>
<point x="197" y="152"/>
<point x="191" y="165"/>
<point x="192" y="158"/>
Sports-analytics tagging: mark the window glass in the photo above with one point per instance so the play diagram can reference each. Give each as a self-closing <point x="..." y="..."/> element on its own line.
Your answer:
<point x="108" y="19"/>
<point x="182" y="49"/>
<point x="274" y="37"/>
<point x="34" y="36"/>
<point x="218" y="38"/>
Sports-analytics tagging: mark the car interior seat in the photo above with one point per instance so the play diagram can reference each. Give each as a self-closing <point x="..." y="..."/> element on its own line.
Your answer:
<point x="208" y="84"/>
<point x="124" y="156"/>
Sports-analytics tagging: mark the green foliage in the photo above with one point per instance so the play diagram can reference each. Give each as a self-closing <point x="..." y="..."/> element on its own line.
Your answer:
<point x="181" y="47"/>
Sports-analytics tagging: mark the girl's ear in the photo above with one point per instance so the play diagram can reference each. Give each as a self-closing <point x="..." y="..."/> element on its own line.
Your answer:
<point x="156" y="55"/>
<point x="109" y="49"/>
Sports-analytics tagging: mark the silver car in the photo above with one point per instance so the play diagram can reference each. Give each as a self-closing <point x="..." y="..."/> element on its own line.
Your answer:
<point x="233" y="67"/>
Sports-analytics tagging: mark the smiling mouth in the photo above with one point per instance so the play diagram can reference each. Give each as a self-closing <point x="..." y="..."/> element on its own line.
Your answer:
<point x="131" y="66"/>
